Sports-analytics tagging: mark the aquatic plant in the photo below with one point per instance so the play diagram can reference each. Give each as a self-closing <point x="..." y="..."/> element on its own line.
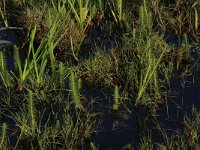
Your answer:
<point x="29" y="64"/>
<point x="75" y="91"/>
<point x="93" y="146"/>
<point x="152" y="64"/>
<point x="116" y="98"/>
<point x="5" y="76"/>
<point x="31" y="111"/>
<point x="3" y="13"/>
<point x="196" y="16"/>
<point x="98" y="69"/>
<point x="146" y="142"/>
<point x="3" y="136"/>
<point x="23" y="72"/>
<point x="145" y="19"/>
<point x="61" y="74"/>
<point x="59" y="6"/>
<point x="81" y="12"/>
<point x="119" y="16"/>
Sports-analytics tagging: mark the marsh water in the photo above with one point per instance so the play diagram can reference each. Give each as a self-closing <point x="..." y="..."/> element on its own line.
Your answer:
<point x="121" y="129"/>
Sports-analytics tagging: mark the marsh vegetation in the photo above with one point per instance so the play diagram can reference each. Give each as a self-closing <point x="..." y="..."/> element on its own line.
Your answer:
<point x="94" y="74"/>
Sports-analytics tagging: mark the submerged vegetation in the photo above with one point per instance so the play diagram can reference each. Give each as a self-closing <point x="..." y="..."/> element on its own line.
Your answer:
<point x="68" y="65"/>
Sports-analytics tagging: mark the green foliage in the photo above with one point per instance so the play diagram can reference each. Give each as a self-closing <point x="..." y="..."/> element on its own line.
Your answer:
<point x="117" y="11"/>
<point x="5" y="76"/>
<point x="3" y="136"/>
<point x="145" y="19"/>
<point x="75" y="91"/>
<point x="151" y="66"/>
<point x="82" y="10"/>
<point x="3" y="12"/>
<point x="31" y="112"/>
<point x="59" y="7"/>
<point x="93" y="146"/>
<point x="116" y="98"/>
<point x="61" y="73"/>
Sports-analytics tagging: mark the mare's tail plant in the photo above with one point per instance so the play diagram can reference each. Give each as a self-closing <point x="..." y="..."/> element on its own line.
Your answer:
<point x="116" y="98"/>
<point x="75" y="89"/>
<point x="5" y="76"/>
<point x="145" y="18"/>
<point x="3" y="136"/>
<point x="196" y="16"/>
<point x="61" y="74"/>
<point x="152" y="64"/>
<point x="31" y="112"/>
